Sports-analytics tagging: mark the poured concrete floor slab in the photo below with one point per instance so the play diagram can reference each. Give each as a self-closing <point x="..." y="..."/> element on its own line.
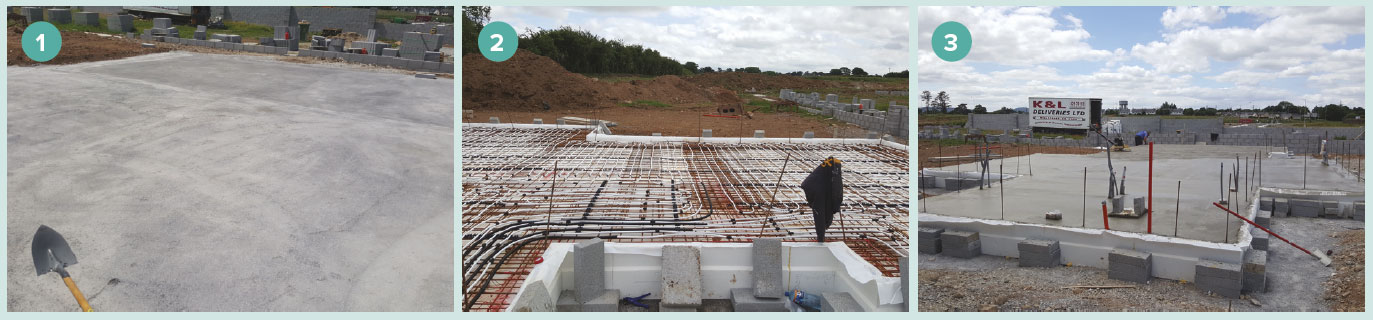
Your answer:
<point x="195" y="182"/>
<point x="1057" y="185"/>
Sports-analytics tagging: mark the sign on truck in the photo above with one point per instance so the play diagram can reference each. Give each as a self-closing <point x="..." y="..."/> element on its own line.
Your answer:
<point x="1062" y="113"/>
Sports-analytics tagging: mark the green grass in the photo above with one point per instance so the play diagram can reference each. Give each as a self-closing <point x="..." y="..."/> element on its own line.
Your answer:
<point x="386" y="15"/>
<point x="941" y="119"/>
<point x="249" y="32"/>
<point x="645" y="103"/>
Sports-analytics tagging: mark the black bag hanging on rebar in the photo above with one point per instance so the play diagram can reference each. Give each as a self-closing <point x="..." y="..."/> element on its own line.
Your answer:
<point x="824" y="189"/>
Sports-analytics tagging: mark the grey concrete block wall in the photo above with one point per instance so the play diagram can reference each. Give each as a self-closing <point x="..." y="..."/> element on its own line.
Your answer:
<point x="1039" y="253"/>
<point x="681" y="276"/>
<point x="1281" y="208"/>
<point x="263" y="15"/>
<point x="1130" y="265"/>
<point x="1305" y="208"/>
<point x="1224" y="279"/>
<point x="961" y="244"/>
<point x="1260" y="239"/>
<point x="1255" y="271"/>
<point x="349" y="19"/>
<point x="588" y="269"/>
<point x="392" y="31"/>
<point x="767" y="268"/>
<point x="928" y="239"/>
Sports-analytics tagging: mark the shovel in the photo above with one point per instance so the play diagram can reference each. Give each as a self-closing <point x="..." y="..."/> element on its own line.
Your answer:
<point x="52" y="254"/>
<point x="1318" y="254"/>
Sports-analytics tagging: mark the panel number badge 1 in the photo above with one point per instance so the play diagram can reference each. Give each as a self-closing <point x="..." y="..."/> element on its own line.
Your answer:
<point x="951" y="41"/>
<point x="42" y="41"/>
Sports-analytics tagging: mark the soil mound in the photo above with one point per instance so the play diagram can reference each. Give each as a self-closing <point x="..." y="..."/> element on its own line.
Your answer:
<point x="740" y="81"/>
<point x="77" y="47"/>
<point x="527" y="81"/>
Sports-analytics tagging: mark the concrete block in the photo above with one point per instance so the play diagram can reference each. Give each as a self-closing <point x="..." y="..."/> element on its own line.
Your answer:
<point x="1358" y="211"/>
<point x="839" y="302"/>
<point x="676" y="309"/>
<point x="744" y="301"/>
<point x="1305" y="208"/>
<point x="767" y="267"/>
<point x="681" y="276"/>
<point x="757" y="133"/>
<point x="705" y="133"/>
<point x="279" y="50"/>
<point x="390" y="52"/>
<point x="1255" y="271"/>
<point x="1264" y="218"/>
<point x="588" y="269"/>
<point x="929" y="240"/>
<point x="1224" y="279"/>
<point x="808" y="135"/>
<point x="1332" y="213"/>
<point x="434" y="56"/>
<point x="1039" y="253"/>
<point x="534" y="298"/>
<point x="904" y="264"/>
<point x="414" y="64"/>
<point x="538" y="121"/>
<point x="162" y="23"/>
<point x="1130" y="265"/>
<point x="88" y="18"/>
<point x="1266" y="203"/>
<point x="961" y="244"/>
<point x="33" y="14"/>
<point x="431" y="66"/>
<point x="1260" y="239"/>
<point x="266" y="41"/>
<point x="604" y="301"/>
<point x="1281" y="208"/>
<point x="60" y="16"/>
<point x="494" y="120"/>
<point x="446" y="68"/>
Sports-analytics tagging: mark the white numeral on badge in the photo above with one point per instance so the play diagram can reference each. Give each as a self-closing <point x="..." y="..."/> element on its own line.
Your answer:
<point x="499" y="40"/>
<point x="40" y="42"/>
<point x="953" y="42"/>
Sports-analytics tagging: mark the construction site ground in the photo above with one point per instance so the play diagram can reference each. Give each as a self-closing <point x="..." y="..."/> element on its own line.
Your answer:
<point x="1297" y="282"/>
<point x="939" y="153"/>
<point x="204" y="182"/>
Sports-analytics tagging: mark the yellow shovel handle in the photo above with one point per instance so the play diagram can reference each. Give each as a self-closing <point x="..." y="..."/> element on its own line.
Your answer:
<point x="80" y="299"/>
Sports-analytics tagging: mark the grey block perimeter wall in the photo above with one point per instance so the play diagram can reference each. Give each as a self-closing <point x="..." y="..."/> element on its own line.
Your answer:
<point x="1164" y="131"/>
<point x="348" y="19"/>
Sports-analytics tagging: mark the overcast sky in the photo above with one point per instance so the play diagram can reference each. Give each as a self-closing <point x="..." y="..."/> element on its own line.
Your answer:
<point x="782" y="39"/>
<point x="1191" y="56"/>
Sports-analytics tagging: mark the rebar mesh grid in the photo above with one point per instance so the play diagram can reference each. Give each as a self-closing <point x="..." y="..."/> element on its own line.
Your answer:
<point x="526" y="188"/>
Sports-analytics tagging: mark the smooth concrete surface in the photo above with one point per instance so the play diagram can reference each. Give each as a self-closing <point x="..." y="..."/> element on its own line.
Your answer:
<point x="1057" y="185"/>
<point x="198" y="182"/>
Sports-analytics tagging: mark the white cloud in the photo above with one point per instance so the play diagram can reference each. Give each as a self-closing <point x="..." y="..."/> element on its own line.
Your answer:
<point x="1186" y="17"/>
<point x="1013" y="36"/>
<point x="773" y="38"/>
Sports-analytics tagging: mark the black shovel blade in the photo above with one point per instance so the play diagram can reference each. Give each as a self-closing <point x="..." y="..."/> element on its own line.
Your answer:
<point x="50" y="250"/>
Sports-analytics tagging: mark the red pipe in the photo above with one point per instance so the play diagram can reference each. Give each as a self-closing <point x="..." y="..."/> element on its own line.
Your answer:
<point x="1104" y="219"/>
<point x="1262" y="228"/>
<point x="1151" y="187"/>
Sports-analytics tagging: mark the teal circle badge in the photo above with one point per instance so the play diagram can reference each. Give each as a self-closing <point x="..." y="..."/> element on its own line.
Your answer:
<point x="951" y="41"/>
<point x="498" y="41"/>
<point x="42" y="41"/>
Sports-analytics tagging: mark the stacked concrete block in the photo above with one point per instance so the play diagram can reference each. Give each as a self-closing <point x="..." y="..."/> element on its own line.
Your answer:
<point x="233" y="38"/>
<point x="33" y="14"/>
<point x="200" y="32"/>
<point x="1358" y="210"/>
<point x="1259" y="239"/>
<point x="162" y="23"/>
<point x="744" y="301"/>
<point x="372" y="48"/>
<point x="446" y="68"/>
<point x="1332" y="210"/>
<point x="60" y="16"/>
<point x="1130" y="265"/>
<point x="266" y="41"/>
<point x="1255" y="271"/>
<point x="1224" y="279"/>
<point x="832" y="98"/>
<point x="839" y="302"/>
<point x="88" y="18"/>
<point x="390" y="52"/>
<point x="120" y="23"/>
<point x="1266" y="203"/>
<point x="767" y="268"/>
<point x="1264" y="218"/>
<point x="681" y="277"/>
<point x="433" y="56"/>
<point x="1281" y="208"/>
<point x="1305" y="208"/>
<point x="1039" y="253"/>
<point x="607" y="301"/>
<point x="414" y="45"/>
<point x="336" y="45"/>
<point x="961" y="244"/>
<point x="929" y="240"/>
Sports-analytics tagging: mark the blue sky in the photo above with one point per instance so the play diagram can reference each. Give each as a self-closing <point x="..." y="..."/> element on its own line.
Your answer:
<point x="780" y="39"/>
<point x="1192" y="56"/>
